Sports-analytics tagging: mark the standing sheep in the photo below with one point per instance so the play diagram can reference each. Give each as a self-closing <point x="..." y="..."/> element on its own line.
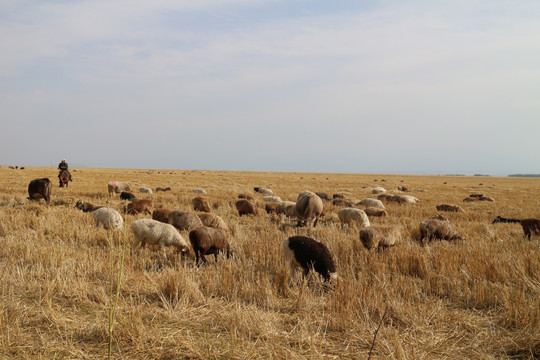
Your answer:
<point x="246" y="207"/>
<point x="145" y="190"/>
<point x="108" y="218"/>
<point x="439" y="229"/>
<point x="350" y="215"/>
<point x="287" y="208"/>
<point x="376" y="237"/>
<point x="184" y="220"/>
<point x="201" y="204"/>
<point x="161" y="215"/>
<point x="530" y="226"/>
<point x="309" y="208"/>
<point x="213" y="220"/>
<point x="207" y="240"/>
<point x="116" y="187"/>
<point x="306" y="253"/>
<point x="371" y="203"/>
<point x="148" y="231"/>
<point x="376" y="212"/>
<point x="139" y="206"/>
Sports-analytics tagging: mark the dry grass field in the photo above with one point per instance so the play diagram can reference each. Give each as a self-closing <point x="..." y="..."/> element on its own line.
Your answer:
<point x="473" y="299"/>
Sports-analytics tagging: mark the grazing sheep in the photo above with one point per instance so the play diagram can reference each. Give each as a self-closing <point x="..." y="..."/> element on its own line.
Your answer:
<point x="271" y="208"/>
<point x="40" y="188"/>
<point x="261" y="190"/>
<point x="139" y="206"/>
<point x="287" y="208"/>
<point x="530" y="226"/>
<point x="350" y="215"/>
<point x="272" y="199"/>
<point x="402" y="188"/>
<point x="405" y="199"/>
<point x="86" y="206"/>
<point x="500" y="219"/>
<point x="246" y="207"/>
<point x="372" y="211"/>
<point x="160" y="188"/>
<point x="148" y="231"/>
<point x="440" y="217"/>
<point x="246" y="196"/>
<point x="449" y="208"/>
<point x="378" y="190"/>
<point x="145" y="190"/>
<point x="199" y="191"/>
<point x="438" y="229"/>
<point x="470" y="199"/>
<point x="343" y="202"/>
<point x="324" y="196"/>
<point x="306" y="253"/>
<point x="207" y="240"/>
<point x="478" y="197"/>
<point x="309" y="208"/>
<point x="108" y="218"/>
<point x="212" y="220"/>
<point x="201" y="204"/>
<point x="376" y="237"/>
<point x="385" y="197"/>
<point x="124" y="195"/>
<point x="486" y="198"/>
<point x="370" y="202"/>
<point x="184" y="220"/>
<point x="161" y="215"/>
<point x="116" y="187"/>
<point x="339" y="196"/>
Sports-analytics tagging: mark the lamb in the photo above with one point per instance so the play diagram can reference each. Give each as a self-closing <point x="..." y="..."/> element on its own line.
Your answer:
<point x="372" y="203"/>
<point x="145" y="190"/>
<point x="207" y="240"/>
<point x="201" y="204"/>
<point x="372" y="211"/>
<point x="439" y="229"/>
<point x="405" y="199"/>
<point x="184" y="220"/>
<point x="161" y="215"/>
<point x="287" y="208"/>
<point x="309" y="208"/>
<point x="262" y="190"/>
<point x="246" y="207"/>
<point x="124" y="195"/>
<point x="350" y="215"/>
<point x="139" y="206"/>
<point x="212" y="220"/>
<point x="86" y="206"/>
<point x="530" y="226"/>
<point x="271" y="199"/>
<point x="161" y="188"/>
<point x="116" y="187"/>
<point x="307" y="253"/>
<point x="450" y="208"/>
<point x="108" y="218"/>
<point x="377" y="237"/>
<point x="148" y="231"/>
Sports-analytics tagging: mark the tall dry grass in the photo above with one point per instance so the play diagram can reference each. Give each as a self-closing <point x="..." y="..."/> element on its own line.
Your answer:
<point x="478" y="299"/>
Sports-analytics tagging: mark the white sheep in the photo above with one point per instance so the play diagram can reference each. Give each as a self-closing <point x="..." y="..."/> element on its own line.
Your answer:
<point x="108" y="218"/>
<point x="148" y="231"/>
<point x="375" y="237"/>
<point x="352" y="215"/>
<point x="199" y="191"/>
<point x="271" y="199"/>
<point x="405" y="199"/>
<point x="370" y="202"/>
<point x="145" y="190"/>
<point x="378" y="190"/>
<point x="288" y="208"/>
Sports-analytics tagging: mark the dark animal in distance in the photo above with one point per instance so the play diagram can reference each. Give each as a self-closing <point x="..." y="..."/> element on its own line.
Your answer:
<point x="160" y="188"/>
<point x="124" y="195"/>
<point x="530" y="226"/>
<point x="307" y="253"/>
<point x="40" y="188"/>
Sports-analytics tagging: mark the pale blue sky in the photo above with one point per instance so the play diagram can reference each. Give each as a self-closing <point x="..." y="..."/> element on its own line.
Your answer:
<point x="410" y="87"/>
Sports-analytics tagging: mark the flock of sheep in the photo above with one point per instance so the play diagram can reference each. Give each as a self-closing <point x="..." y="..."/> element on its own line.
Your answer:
<point x="208" y="232"/>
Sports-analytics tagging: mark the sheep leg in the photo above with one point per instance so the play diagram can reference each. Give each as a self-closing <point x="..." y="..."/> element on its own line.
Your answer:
<point x="315" y="222"/>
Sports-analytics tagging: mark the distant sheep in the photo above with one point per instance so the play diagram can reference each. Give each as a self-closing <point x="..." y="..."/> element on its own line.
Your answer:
<point x="287" y="208"/>
<point x="213" y="220"/>
<point x="271" y="199"/>
<point x="207" y="241"/>
<point x="246" y="207"/>
<point x="352" y="215"/>
<point x="376" y="237"/>
<point x="437" y="229"/>
<point x="139" y="206"/>
<point x="246" y="196"/>
<point x="402" y="188"/>
<point x="261" y="190"/>
<point x="145" y="190"/>
<point x="108" y="218"/>
<point x="270" y="208"/>
<point x="199" y="191"/>
<point x="478" y="197"/>
<point x="124" y="195"/>
<point x="449" y="208"/>
<point x="339" y="196"/>
<point x="324" y="196"/>
<point x="86" y="206"/>
<point x="116" y="187"/>
<point x="530" y="226"/>
<point x="343" y="202"/>
<point x="309" y="208"/>
<point x="405" y="199"/>
<point x="370" y="202"/>
<point x="385" y="197"/>
<point x="161" y="215"/>
<point x="306" y="253"/>
<point x="184" y="220"/>
<point x="500" y="219"/>
<point x="160" y="188"/>
<point x="201" y="204"/>
<point x="378" y="190"/>
<point x="376" y="212"/>
<point x="148" y="231"/>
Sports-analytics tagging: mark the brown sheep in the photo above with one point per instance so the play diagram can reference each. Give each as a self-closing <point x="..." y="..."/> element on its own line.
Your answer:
<point x="201" y="204"/>
<point x="207" y="240"/>
<point x="309" y="208"/>
<point x="86" y="206"/>
<point x="184" y="220"/>
<point x="530" y="227"/>
<point x="138" y="206"/>
<point x="376" y="237"/>
<point x="438" y="229"/>
<point x="449" y="208"/>
<point x="376" y="212"/>
<point x="271" y="207"/>
<point x="246" y="207"/>
<point x="161" y="215"/>
<point x="213" y="220"/>
<point x="343" y="202"/>
<point x="246" y="196"/>
<point x="385" y="197"/>
<point x="161" y="188"/>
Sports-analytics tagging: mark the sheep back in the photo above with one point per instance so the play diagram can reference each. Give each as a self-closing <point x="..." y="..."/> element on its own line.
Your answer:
<point x="201" y="204"/>
<point x="438" y="229"/>
<point x="207" y="240"/>
<point x="350" y="215"/>
<point x="380" y="236"/>
<point x="152" y="232"/>
<point x="108" y="218"/>
<point x="308" y="208"/>
<point x="184" y="220"/>
<point x="307" y="253"/>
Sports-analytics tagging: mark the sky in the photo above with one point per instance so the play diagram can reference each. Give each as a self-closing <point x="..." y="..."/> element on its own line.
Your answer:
<point x="381" y="87"/>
